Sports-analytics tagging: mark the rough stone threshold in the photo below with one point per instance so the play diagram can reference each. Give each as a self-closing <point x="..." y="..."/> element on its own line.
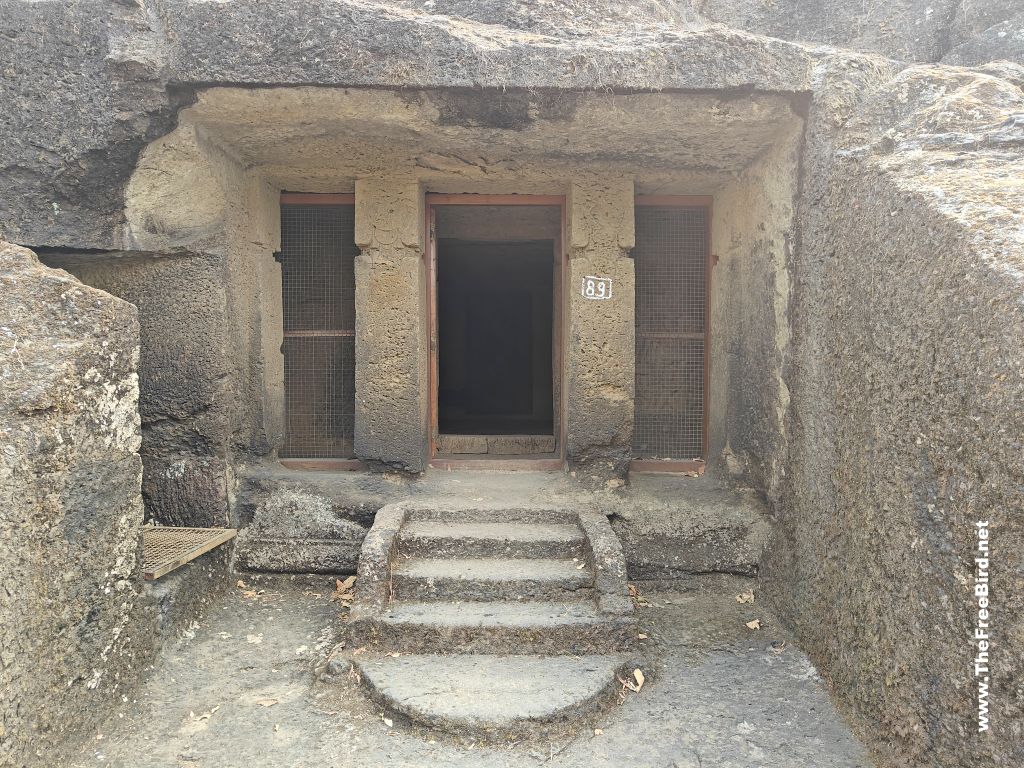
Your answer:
<point x="499" y="445"/>
<point x="166" y="548"/>
<point x="690" y="467"/>
<point x="670" y="526"/>
<point x="540" y="462"/>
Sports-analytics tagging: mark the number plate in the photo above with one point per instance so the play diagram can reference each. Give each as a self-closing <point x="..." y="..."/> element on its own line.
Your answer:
<point x="597" y="288"/>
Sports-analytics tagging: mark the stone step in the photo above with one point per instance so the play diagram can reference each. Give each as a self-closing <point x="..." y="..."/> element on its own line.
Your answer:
<point x="437" y="538"/>
<point x="497" y="515"/>
<point x="492" y="578"/>
<point x="445" y="588"/>
<point x="500" y="626"/>
<point x="489" y="697"/>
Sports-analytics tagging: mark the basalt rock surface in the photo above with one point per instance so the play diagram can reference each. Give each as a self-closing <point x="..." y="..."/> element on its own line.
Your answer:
<point x="73" y="633"/>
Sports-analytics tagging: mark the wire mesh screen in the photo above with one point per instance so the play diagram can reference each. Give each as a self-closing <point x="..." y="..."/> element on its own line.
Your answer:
<point x="671" y="273"/>
<point x="318" y="291"/>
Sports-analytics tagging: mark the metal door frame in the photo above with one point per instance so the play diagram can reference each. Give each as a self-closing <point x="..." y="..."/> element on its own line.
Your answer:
<point x="558" y="319"/>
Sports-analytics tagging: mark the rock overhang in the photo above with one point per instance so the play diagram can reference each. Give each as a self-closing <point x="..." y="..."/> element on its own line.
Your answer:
<point x="316" y="138"/>
<point x="389" y="44"/>
<point x="633" y="85"/>
<point x="145" y="63"/>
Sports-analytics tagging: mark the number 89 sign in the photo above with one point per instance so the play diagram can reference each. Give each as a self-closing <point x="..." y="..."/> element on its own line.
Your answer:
<point x="597" y="288"/>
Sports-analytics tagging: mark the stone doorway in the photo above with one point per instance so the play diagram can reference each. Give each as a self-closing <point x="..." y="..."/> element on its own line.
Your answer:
<point x="495" y="283"/>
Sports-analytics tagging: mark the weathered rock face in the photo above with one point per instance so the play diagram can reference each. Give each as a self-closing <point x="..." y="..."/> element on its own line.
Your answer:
<point x="70" y="506"/>
<point x="988" y="31"/>
<point x="295" y="530"/>
<point x="753" y="238"/>
<point x="183" y="372"/>
<point x="68" y="150"/>
<point x="83" y="93"/>
<point x="906" y="419"/>
<point x="961" y="32"/>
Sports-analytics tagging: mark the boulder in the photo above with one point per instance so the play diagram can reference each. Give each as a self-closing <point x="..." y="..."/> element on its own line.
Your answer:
<point x="71" y="642"/>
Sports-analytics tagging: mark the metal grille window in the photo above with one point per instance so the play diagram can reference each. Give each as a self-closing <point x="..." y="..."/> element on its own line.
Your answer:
<point x="318" y="291"/>
<point x="671" y="303"/>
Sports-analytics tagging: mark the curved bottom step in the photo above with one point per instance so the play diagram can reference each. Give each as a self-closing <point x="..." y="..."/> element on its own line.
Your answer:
<point x="493" y="696"/>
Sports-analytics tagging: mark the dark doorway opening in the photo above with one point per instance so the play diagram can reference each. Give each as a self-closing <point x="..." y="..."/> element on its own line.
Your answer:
<point x="494" y="314"/>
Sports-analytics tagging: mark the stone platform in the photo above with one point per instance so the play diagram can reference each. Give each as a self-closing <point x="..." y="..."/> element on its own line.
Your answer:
<point x="672" y="528"/>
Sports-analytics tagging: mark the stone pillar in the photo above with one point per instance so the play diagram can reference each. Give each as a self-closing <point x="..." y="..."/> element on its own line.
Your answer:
<point x="391" y="325"/>
<point x="599" y="364"/>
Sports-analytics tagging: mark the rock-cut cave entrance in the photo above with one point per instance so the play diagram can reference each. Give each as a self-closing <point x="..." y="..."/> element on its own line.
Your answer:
<point x="496" y="319"/>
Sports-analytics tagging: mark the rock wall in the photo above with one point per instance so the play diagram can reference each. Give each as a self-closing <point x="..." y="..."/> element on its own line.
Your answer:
<point x="906" y="420"/>
<point x="183" y="376"/>
<point x="92" y="82"/>
<point x="754" y="242"/>
<point x="963" y="32"/>
<point x="200" y="263"/>
<point x="72" y="638"/>
<point x="84" y="88"/>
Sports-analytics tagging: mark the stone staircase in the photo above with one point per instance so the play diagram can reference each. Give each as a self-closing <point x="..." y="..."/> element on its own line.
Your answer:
<point x="492" y="623"/>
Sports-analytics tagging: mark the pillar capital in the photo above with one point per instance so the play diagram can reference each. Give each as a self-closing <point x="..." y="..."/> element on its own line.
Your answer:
<point x="600" y="214"/>
<point x="389" y="213"/>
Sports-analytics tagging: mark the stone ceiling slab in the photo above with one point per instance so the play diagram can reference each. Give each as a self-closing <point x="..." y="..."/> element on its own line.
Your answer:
<point x="475" y="133"/>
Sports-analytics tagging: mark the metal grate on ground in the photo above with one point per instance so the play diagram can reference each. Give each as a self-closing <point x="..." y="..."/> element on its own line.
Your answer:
<point x="318" y="291"/>
<point x="671" y="283"/>
<point x="165" y="548"/>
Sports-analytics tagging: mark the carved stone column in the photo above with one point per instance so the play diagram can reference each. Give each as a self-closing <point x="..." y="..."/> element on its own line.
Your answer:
<point x="600" y="346"/>
<point x="391" y="324"/>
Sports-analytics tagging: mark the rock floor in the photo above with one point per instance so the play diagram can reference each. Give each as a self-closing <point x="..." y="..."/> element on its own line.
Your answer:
<point x="240" y="690"/>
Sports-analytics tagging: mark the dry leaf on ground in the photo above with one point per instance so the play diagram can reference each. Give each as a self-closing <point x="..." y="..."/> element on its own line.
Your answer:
<point x="745" y="597"/>
<point x="634" y="593"/>
<point x="634" y="684"/>
<point x="755" y="624"/>
<point x="343" y="590"/>
<point x="639" y="677"/>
